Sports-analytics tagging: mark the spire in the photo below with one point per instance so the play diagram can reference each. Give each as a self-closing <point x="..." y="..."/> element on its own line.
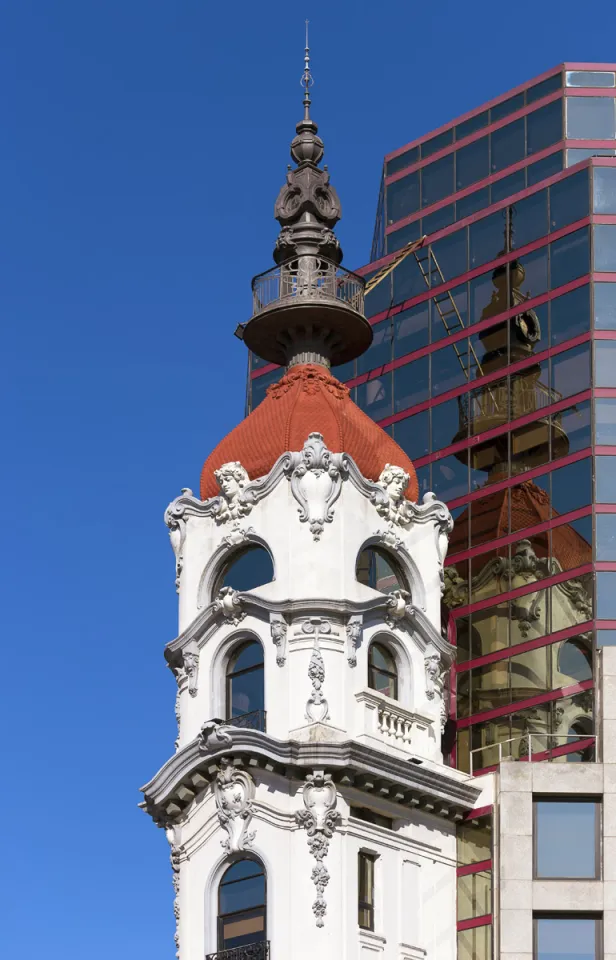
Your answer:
<point x="307" y="147"/>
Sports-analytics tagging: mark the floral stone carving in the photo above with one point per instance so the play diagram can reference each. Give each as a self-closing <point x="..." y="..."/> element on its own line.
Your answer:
<point x="318" y="818"/>
<point x="317" y="707"/>
<point x="234" y="790"/>
<point x="316" y="480"/>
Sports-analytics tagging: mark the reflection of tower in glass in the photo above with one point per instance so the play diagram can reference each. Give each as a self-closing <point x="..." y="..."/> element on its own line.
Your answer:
<point x="503" y="625"/>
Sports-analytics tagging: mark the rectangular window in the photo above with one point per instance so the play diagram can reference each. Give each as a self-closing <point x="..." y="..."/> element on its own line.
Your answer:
<point x="380" y="350"/>
<point x="569" y="258"/>
<point x="412" y="329"/>
<point x="475" y="944"/>
<point x="605" y="479"/>
<point x="507" y="145"/>
<point x="472" y="163"/>
<point x="605" y="306"/>
<point x="544" y="127"/>
<point x="471" y="125"/>
<point x="401" y="161"/>
<point x="544" y="88"/>
<point x="437" y="180"/>
<point x="402" y="197"/>
<point x="605" y="247"/>
<point x="507" y="186"/>
<point x="411" y="383"/>
<point x="605" y="363"/>
<point x="604" y="189"/>
<point x="570" y="315"/>
<point x="434" y="144"/>
<point x="590" y="118"/>
<point x="606" y="594"/>
<point x="365" y="899"/>
<point x="375" y="397"/>
<point x="449" y="257"/>
<point x="569" y="200"/>
<point x="566" y="833"/>
<point x="589" y="78"/>
<point x="605" y="421"/>
<point x="413" y="434"/>
<point x="400" y="238"/>
<point x="530" y="219"/>
<point x="567" y="937"/>
<point x="473" y="203"/>
<point x="545" y="168"/>
<point x="506" y="107"/>
<point x="438" y="220"/>
<point x="605" y="536"/>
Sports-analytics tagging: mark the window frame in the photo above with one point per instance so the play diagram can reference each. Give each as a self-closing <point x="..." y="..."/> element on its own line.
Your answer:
<point x="365" y="856"/>
<point x="221" y="917"/>
<point x="230" y="675"/>
<point x="582" y="915"/>
<point x="569" y="798"/>
<point x="391" y="675"/>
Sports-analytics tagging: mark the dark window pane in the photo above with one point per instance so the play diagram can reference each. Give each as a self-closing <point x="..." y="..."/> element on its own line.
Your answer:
<point x="449" y="257"/>
<point x="249" y="569"/>
<point x="434" y="144"/>
<point x="605" y="363"/>
<point x="484" y="301"/>
<point x="506" y="107"/>
<point x="412" y="329"/>
<point x="605" y="477"/>
<point x="375" y="397"/>
<point x="242" y="894"/>
<point x="446" y="424"/>
<point x="605" y="247"/>
<point x="424" y="480"/>
<point x="486" y="238"/>
<point x="544" y="88"/>
<point x="472" y="163"/>
<point x="449" y="312"/>
<point x="605" y="306"/>
<point x="604" y="189"/>
<point x="566" y="838"/>
<point x="402" y="197"/>
<point x="569" y="258"/>
<point x="249" y="655"/>
<point x="258" y="386"/>
<point x="380" y="298"/>
<point x="449" y="367"/>
<point x="605" y="421"/>
<point x="572" y="486"/>
<point x="530" y="219"/>
<point x="449" y="478"/>
<point x="570" y="315"/>
<point x="412" y="383"/>
<point x="569" y="200"/>
<point x="408" y="279"/>
<point x="246" y="693"/>
<point x="545" y="168"/>
<point x="376" y="569"/>
<point x="401" y="161"/>
<point x="575" y="426"/>
<point x="474" y="895"/>
<point x="571" y="371"/>
<point x="437" y="180"/>
<point x="606" y="595"/>
<point x="579" y="154"/>
<point x="344" y="371"/>
<point x="544" y="127"/>
<point x="400" y="238"/>
<point x="507" y="186"/>
<point x="471" y="125"/>
<point x="380" y="350"/>
<point x="507" y="145"/>
<point x="476" y="201"/>
<point x="590" y="118"/>
<point x="605" y="537"/>
<point x="413" y="434"/>
<point x="438" y="220"/>
<point x="535" y="266"/>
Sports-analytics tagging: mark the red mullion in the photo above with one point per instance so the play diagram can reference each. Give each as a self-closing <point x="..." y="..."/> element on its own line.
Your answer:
<point x="529" y="645"/>
<point x="605" y="507"/>
<point x="605" y="392"/>
<point x="561" y="694"/>
<point x="469" y="924"/>
<point x="566" y="748"/>
<point x="604" y="334"/>
<point x="534" y="587"/>
<point x="482" y="132"/>
<point x="605" y="565"/>
<point x="608" y="218"/>
<point x="482" y="548"/>
<point x="473" y="113"/>
<point x="268" y="369"/>
<point x="593" y="67"/>
<point x="596" y="161"/>
<point x="470" y="868"/>
<point x="605" y="624"/>
<point x="478" y="185"/>
<point x="512" y="481"/>
<point x="479" y="438"/>
<point x="601" y="450"/>
<point x="591" y="92"/>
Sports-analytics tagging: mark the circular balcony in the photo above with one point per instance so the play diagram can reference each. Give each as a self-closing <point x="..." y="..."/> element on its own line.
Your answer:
<point x="308" y="303"/>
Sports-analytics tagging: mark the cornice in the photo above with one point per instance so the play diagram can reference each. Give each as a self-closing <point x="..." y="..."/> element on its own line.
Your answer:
<point x="410" y="782"/>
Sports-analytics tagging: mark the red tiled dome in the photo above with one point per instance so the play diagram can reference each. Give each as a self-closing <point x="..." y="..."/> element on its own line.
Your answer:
<point x="307" y="399"/>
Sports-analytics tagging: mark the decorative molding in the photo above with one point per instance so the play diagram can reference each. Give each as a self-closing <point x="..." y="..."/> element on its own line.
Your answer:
<point x="234" y="791"/>
<point x="177" y="536"/>
<point x="190" y="657"/>
<point x="353" y="632"/>
<point x="232" y="479"/>
<point x="318" y="818"/>
<point x="175" y="857"/>
<point x="238" y="535"/>
<point x="397" y="602"/>
<point x="316" y="477"/>
<point x="435" y="672"/>
<point x="388" y="537"/>
<point x="212" y="736"/>
<point x="317" y="707"/>
<point x="278" y="628"/>
<point x="229" y="603"/>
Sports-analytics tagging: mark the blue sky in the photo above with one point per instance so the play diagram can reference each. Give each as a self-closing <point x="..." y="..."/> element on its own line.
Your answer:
<point x="143" y="145"/>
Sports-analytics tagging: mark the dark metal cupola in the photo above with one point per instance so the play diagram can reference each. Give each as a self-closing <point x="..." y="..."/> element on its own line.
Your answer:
<point x="307" y="309"/>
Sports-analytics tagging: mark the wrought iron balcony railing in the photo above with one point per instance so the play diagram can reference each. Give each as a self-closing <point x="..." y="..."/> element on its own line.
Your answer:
<point x="307" y="279"/>
<point x="255" y="720"/>
<point x="250" y="951"/>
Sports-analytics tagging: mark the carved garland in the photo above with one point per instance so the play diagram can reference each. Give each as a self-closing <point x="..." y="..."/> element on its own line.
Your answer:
<point x="318" y="818"/>
<point x="234" y="791"/>
<point x="317" y="707"/>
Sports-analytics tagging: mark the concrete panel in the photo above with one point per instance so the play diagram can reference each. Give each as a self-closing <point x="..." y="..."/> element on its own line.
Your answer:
<point x="516" y="931"/>
<point x="568" y="895"/>
<point x="609" y="858"/>
<point x="516" y="956"/>
<point x="608" y="661"/>
<point x="609" y="932"/>
<point x="516" y="858"/>
<point x="608" y="743"/>
<point x="568" y="777"/>
<point x="608" y="703"/>
<point x="609" y="777"/>
<point x="515" y="775"/>
<point x="609" y="895"/>
<point x="516" y="813"/>
<point x="516" y="894"/>
<point x="609" y="814"/>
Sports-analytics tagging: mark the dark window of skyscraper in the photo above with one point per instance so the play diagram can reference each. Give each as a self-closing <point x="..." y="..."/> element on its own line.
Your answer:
<point x="412" y="383"/>
<point x="471" y="125"/>
<point x="544" y="168"/>
<point x="438" y="220"/>
<point x="507" y="186"/>
<point x="507" y="145"/>
<point x="571" y="371"/>
<point x="544" y="88"/>
<point x="399" y="238"/>
<point x="530" y="219"/>
<point x="604" y="247"/>
<point x="570" y="315"/>
<point x="472" y="163"/>
<point x="434" y="144"/>
<point x="402" y="197"/>
<point x="569" y="258"/>
<point x="569" y="200"/>
<point x="605" y="421"/>
<point x="413" y="434"/>
<point x="408" y="280"/>
<point x="437" y="180"/>
<point x="412" y="329"/>
<point x="605" y="306"/>
<point x="473" y="203"/>
<point x="506" y="107"/>
<point x="380" y="350"/>
<point x="449" y="257"/>
<point x="487" y="238"/>
<point x="375" y="397"/>
<point x="590" y="118"/>
<point x="401" y="161"/>
<point x="604" y="189"/>
<point x="544" y="127"/>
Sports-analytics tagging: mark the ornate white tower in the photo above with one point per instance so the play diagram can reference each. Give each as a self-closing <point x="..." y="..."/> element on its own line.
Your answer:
<point x="307" y="804"/>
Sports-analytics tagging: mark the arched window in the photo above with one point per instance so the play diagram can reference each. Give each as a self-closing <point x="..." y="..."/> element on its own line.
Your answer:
<point x="241" y="905"/>
<point x="246" y="570"/>
<point x="575" y="660"/>
<point x="581" y="727"/>
<point x="377" y="569"/>
<point x="245" y="691"/>
<point x="382" y="670"/>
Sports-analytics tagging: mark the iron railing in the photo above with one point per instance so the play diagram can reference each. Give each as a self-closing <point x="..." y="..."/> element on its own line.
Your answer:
<point x="250" y="951"/>
<point x="547" y="747"/>
<point x="305" y="279"/>
<point x="502" y="401"/>
<point x="255" y="720"/>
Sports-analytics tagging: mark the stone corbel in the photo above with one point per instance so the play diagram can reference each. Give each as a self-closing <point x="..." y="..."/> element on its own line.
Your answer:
<point x="353" y="632"/>
<point x="278" y="628"/>
<point x="319" y="818"/>
<point x="234" y="791"/>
